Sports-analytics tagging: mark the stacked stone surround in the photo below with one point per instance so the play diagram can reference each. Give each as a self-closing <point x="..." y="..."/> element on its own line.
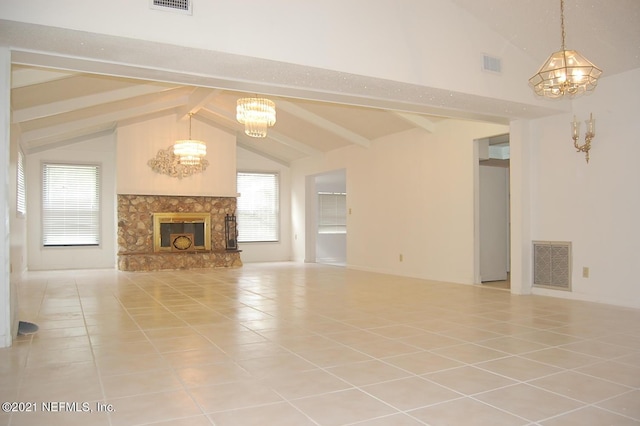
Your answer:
<point x="135" y="233"/>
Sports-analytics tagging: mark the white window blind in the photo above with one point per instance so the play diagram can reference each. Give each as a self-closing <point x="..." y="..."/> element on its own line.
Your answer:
<point x="70" y="205"/>
<point x="258" y="207"/>
<point x="21" y="192"/>
<point x="332" y="213"/>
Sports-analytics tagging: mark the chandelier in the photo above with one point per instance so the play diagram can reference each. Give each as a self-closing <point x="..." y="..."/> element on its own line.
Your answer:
<point x="566" y="72"/>
<point x="189" y="152"/>
<point x="257" y="115"/>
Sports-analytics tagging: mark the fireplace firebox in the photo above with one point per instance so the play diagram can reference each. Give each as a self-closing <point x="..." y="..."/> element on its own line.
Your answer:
<point x="181" y="231"/>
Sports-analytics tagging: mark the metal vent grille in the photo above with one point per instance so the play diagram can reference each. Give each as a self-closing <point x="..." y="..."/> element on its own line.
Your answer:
<point x="552" y="264"/>
<point x="180" y="6"/>
<point x="489" y="63"/>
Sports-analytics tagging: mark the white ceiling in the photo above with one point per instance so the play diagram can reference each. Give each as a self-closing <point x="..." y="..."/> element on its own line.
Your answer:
<point x="54" y="108"/>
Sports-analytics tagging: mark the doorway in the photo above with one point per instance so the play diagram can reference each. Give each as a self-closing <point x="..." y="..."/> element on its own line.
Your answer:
<point x="492" y="212"/>
<point x="326" y="226"/>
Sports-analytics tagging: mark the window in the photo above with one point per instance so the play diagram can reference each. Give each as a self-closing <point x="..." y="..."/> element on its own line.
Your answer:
<point x="258" y="207"/>
<point x="21" y="198"/>
<point x="70" y="205"/>
<point x="332" y="213"/>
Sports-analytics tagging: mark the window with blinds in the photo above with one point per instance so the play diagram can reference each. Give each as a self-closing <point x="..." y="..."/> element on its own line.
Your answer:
<point x="70" y="205"/>
<point x="258" y="213"/>
<point x="21" y="191"/>
<point x="332" y="213"/>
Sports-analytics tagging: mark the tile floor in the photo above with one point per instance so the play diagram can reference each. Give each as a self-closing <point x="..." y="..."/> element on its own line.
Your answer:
<point x="302" y="344"/>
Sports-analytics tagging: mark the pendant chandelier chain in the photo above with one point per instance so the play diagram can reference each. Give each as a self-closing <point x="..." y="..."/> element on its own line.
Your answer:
<point x="562" y="22"/>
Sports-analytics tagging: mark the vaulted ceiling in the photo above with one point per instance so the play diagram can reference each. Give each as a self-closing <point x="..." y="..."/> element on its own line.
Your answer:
<point x="52" y="107"/>
<point x="55" y="108"/>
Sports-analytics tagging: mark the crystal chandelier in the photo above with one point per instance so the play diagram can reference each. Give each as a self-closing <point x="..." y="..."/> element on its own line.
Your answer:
<point x="565" y="72"/>
<point x="190" y="152"/>
<point x="257" y="115"/>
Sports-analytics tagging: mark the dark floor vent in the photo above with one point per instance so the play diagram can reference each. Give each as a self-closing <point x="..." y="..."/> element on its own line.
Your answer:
<point x="181" y="6"/>
<point x="552" y="264"/>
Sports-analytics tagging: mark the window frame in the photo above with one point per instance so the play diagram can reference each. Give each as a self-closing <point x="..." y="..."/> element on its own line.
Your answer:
<point x="21" y="186"/>
<point x="98" y="198"/>
<point x="277" y="220"/>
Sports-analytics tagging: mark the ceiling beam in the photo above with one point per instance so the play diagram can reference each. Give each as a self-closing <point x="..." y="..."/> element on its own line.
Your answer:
<point x="200" y="97"/>
<point x="323" y="123"/>
<point x="68" y="105"/>
<point x="417" y="120"/>
<point x="71" y="127"/>
<point x="21" y="77"/>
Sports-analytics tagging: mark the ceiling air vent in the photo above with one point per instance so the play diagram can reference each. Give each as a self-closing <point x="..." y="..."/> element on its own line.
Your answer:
<point x="179" y="6"/>
<point x="491" y="64"/>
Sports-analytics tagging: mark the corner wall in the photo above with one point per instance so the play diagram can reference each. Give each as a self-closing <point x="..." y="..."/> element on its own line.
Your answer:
<point x="410" y="193"/>
<point x="596" y="206"/>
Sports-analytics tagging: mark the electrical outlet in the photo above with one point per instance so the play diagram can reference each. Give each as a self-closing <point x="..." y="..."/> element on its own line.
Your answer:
<point x="585" y="272"/>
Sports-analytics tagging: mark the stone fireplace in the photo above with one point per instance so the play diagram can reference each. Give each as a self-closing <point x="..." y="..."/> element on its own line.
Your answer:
<point x="158" y="232"/>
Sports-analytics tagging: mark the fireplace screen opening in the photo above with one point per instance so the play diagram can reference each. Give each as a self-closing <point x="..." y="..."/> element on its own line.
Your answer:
<point x="191" y="230"/>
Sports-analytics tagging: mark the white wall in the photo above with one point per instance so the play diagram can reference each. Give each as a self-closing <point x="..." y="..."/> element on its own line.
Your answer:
<point x="98" y="150"/>
<point x="138" y="142"/>
<point x="410" y="193"/>
<point x="596" y="206"/>
<point x="378" y="38"/>
<point x="248" y="161"/>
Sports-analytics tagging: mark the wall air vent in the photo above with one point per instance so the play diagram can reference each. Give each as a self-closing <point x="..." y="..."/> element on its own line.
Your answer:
<point x="491" y="64"/>
<point x="552" y="264"/>
<point x="179" y="6"/>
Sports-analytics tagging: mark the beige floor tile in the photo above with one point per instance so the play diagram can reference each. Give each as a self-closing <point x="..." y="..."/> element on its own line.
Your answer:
<point x="512" y="345"/>
<point x="149" y="408"/>
<point x="275" y="364"/>
<point x="232" y="396"/>
<point x="529" y="402"/>
<point x="140" y="383"/>
<point x="470" y="353"/>
<point x="579" y="386"/>
<point x="627" y="405"/>
<point x="422" y="362"/>
<point x="201" y="420"/>
<point x="469" y="380"/>
<point x="392" y="420"/>
<point x="211" y="374"/>
<point x="590" y="416"/>
<point x="518" y="368"/>
<point x="334" y="356"/>
<point x="410" y="393"/>
<point x="306" y="383"/>
<point x="59" y="418"/>
<point x="466" y="412"/>
<point x="368" y="372"/>
<point x="344" y="407"/>
<point x="618" y="372"/>
<point x="281" y="414"/>
<point x="194" y="358"/>
<point x="305" y="343"/>
<point x="599" y="349"/>
<point x="561" y="358"/>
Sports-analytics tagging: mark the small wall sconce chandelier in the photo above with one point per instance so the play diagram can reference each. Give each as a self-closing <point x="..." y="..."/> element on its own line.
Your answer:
<point x="566" y="72"/>
<point x="189" y="151"/>
<point x="257" y="115"/>
<point x="588" y="137"/>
